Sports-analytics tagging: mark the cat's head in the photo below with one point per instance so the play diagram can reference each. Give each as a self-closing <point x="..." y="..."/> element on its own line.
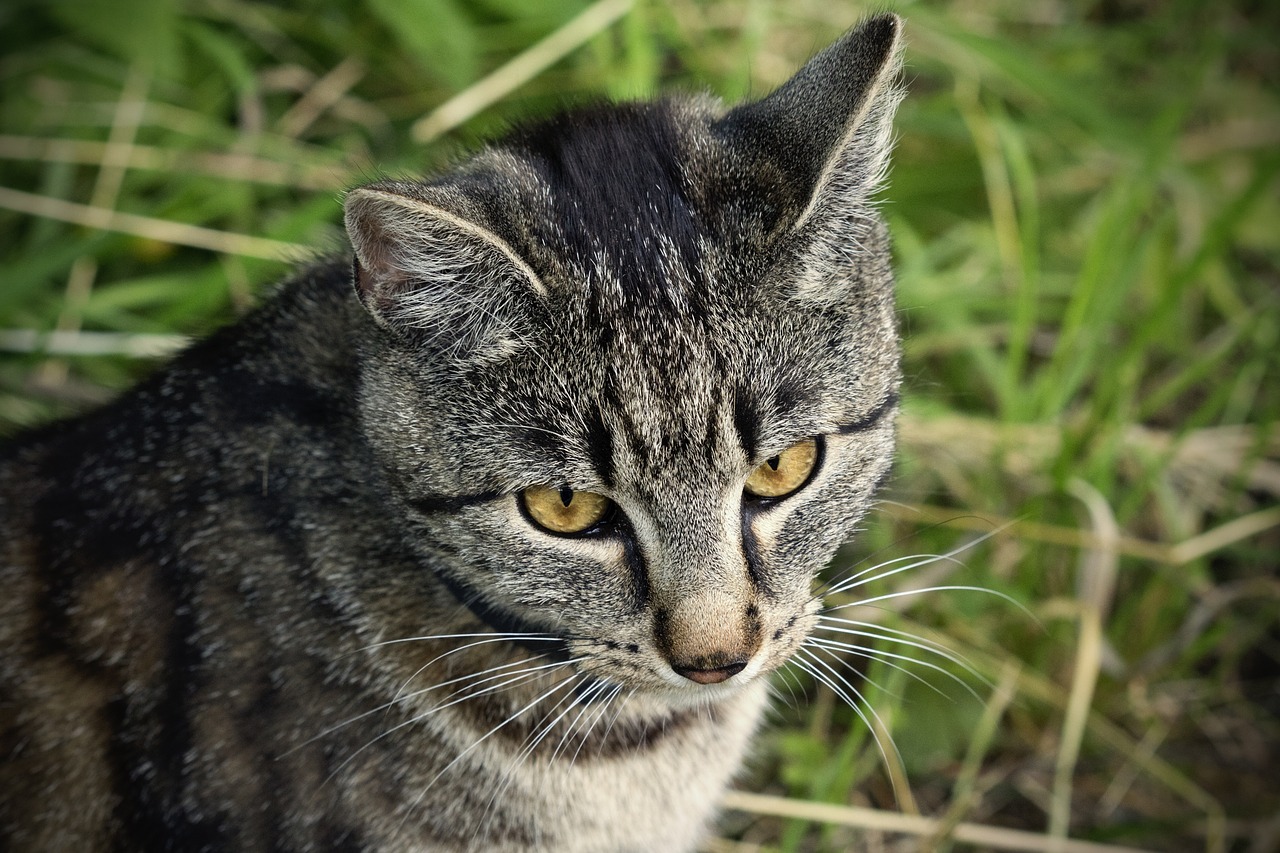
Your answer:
<point x="638" y="367"/>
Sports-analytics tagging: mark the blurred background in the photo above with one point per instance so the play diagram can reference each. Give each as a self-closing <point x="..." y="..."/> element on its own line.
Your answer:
<point x="1084" y="205"/>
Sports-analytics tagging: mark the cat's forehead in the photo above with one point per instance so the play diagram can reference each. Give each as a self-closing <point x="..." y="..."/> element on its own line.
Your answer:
<point x="619" y="199"/>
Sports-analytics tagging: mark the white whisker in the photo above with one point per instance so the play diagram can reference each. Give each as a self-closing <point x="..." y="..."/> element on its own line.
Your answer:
<point x="510" y="718"/>
<point x="785" y="677"/>
<point x="584" y="702"/>
<point x="921" y="560"/>
<point x="431" y="637"/>
<point x="529" y="745"/>
<point x="604" y="707"/>
<point x="443" y="655"/>
<point x="871" y="653"/>
<point x="474" y="677"/>
<point x="808" y="664"/>
<point x="914" y="641"/>
<point x="523" y="675"/>
<point x="892" y="595"/>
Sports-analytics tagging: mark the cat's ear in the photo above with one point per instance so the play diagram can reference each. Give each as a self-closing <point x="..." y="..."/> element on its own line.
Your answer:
<point x="426" y="270"/>
<point x="829" y="127"/>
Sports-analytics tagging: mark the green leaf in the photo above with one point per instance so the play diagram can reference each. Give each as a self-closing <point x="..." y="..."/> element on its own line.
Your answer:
<point x="224" y="52"/>
<point x="436" y="33"/>
<point x="141" y="32"/>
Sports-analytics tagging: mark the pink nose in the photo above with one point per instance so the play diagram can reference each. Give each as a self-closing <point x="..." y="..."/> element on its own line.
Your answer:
<point x="711" y="676"/>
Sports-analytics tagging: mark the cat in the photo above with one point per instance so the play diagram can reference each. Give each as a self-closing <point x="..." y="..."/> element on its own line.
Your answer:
<point x="488" y="537"/>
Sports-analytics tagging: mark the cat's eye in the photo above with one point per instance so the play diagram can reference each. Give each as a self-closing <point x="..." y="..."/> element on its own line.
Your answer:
<point x="781" y="475"/>
<point x="564" y="510"/>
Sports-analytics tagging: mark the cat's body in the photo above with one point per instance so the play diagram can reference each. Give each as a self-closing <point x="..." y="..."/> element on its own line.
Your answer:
<point x="297" y="591"/>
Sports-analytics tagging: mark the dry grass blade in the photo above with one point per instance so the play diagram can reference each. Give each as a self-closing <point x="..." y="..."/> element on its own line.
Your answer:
<point x="91" y="343"/>
<point x="106" y="194"/>
<point x="326" y="92"/>
<point x="155" y="229"/>
<point x="966" y="790"/>
<point x="519" y="70"/>
<point x="1096" y="586"/>
<point x="874" y="820"/>
<point x="1198" y="546"/>
<point x="230" y="166"/>
<point x="1220" y="537"/>
<point x="1035" y="686"/>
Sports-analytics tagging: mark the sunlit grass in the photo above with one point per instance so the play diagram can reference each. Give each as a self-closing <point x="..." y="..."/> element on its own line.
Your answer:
<point x="1084" y="204"/>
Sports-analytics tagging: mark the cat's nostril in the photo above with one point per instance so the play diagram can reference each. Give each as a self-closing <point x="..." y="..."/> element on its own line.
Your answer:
<point x="711" y="676"/>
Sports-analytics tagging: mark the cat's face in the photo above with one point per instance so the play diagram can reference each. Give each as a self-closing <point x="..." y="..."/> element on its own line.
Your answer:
<point x="640" y="374"/>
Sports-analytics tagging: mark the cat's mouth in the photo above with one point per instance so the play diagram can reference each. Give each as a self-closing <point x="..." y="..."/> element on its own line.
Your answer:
<point x="636" y="664"/>
<point x="642" y="667"/>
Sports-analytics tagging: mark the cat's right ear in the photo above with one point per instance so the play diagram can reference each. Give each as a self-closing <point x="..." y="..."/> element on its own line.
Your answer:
<point x="425" y="270"/>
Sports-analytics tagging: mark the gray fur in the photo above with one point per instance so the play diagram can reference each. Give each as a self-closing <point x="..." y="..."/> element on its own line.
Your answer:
<point x="243" y="600"/>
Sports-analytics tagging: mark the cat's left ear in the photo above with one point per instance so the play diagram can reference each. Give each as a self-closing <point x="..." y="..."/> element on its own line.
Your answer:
<point x="425" y="267"/>
<point x="829" y="128"/>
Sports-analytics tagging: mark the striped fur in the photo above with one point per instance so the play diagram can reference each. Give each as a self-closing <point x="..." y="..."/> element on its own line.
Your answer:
<point x="283" y="595"/>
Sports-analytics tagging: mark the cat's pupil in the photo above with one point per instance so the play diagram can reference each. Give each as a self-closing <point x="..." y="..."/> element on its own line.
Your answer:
<point x="566" y="495"/>
<point x="773" y="461"/>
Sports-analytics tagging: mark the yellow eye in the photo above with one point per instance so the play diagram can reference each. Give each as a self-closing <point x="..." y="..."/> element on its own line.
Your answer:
<point x="563" y="510"/>
<point x="783" y="474"/>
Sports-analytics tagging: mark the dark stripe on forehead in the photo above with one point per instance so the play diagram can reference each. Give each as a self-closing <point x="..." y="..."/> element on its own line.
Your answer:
<point x="746" y="420"/>
<point x="599" y="441"/>
<point x="615" y="180"/>
<point x="630" y="431"/>
<point x="794" y="392"/>
<point x="432" y="504"/>
<point x="712" y="440"/>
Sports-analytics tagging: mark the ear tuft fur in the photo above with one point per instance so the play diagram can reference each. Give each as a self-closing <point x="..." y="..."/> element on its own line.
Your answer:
<point x="830" y="130"/>
<point x="425" y="271"/>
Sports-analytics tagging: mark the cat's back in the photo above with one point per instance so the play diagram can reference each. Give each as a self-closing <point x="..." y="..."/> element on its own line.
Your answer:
<point x="113" y="524"/>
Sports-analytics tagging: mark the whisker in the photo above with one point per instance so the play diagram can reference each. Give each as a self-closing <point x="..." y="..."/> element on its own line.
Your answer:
<point x="464" y="692"/>
<point x="516" y="678"/>
<point x="529" y="746"/>
<point x="617" y="713"/>
<point x="604" y="707"/>
<point x="511" y="718"/>
<point x="921" y="560"/>
<point x="894" y="769"/>
<point x="871" y="653"/>
<point x="906" y="537"/>
<point x="835" y="655"/>
<point x="429" y="637"/>
<point x="891" y="595"/>
<point x="442" y="656"/>
<point x="808" y="664"/>
<point x="473" y="676"/>
<point x="785" y="677"/>
<point x="584" y="702"/>
<point x="924" y="560"/>
<point x="544" y="728"/>
<point x="914" y="641"/>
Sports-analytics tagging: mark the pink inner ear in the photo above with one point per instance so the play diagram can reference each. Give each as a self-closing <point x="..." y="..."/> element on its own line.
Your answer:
<point x="379" y="278"/>
<point x="369" y="237"/>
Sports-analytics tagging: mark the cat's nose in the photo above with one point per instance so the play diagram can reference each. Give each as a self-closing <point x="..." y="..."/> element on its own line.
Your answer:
<point x="711" y="676"/>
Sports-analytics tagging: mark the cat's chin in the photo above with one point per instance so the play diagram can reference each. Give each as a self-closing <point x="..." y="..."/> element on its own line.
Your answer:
<point x="700" y="695"/>
<point x="706" y="701"/>
<point x="690" y="696"/>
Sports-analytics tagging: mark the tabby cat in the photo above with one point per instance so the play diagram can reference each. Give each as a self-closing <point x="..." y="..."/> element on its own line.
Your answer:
<point x="489" y="539"/>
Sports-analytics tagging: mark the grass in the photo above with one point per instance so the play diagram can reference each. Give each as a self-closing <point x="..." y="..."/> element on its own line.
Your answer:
<point x="1084" y="204"/>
